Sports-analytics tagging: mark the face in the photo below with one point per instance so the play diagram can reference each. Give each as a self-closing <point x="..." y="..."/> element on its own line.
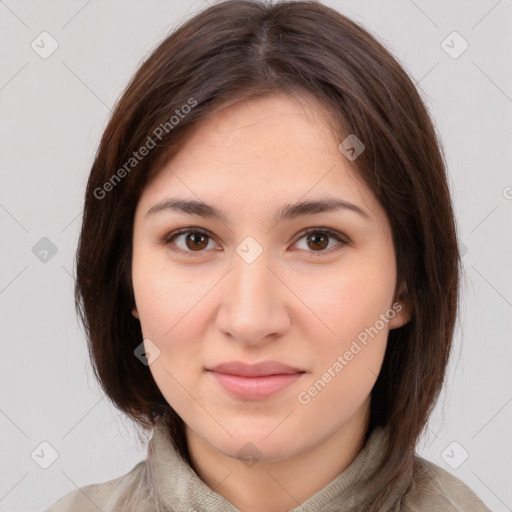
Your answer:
<point x="252" y="278"/>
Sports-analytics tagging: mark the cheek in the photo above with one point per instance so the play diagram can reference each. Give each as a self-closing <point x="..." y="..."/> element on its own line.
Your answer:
<point x="349" y="299"/>
<point x="169" y="305"/>
<point x="166" y="296"/>
<point x="351" y="303"/>
<point x="348" y="362"/>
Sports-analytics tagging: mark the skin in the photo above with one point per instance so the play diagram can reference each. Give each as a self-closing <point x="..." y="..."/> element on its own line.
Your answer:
<point x="296" y="303"/>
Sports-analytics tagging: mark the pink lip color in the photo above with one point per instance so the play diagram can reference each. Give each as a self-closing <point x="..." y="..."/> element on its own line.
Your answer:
<point x="255" y="387"/>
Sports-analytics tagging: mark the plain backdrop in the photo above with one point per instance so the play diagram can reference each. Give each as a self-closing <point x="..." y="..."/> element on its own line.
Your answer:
<point x="53" y="111"/>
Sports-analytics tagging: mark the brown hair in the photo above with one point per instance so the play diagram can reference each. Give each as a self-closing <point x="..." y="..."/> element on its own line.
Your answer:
<point x="244" y="49"/>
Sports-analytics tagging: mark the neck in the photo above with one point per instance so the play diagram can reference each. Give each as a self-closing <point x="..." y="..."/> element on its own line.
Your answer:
<point x="278" y="485"/>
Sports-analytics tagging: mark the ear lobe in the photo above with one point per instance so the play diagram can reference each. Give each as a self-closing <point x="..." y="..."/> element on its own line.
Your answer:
<point x="135" y="313"/>
<point x="402" y="315"/>
<point x="402" y="308"/>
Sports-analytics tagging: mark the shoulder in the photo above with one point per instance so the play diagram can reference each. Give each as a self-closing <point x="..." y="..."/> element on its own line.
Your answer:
<point x="103" y="496"/>
<point x="438" y="489"/>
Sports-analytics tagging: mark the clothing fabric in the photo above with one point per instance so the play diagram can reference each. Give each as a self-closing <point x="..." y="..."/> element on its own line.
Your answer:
<point x="165" y="482"/>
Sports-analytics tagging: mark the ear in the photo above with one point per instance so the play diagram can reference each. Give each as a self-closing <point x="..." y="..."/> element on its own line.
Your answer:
<point x="402" y="308"/>
<point x="135" y="313"/>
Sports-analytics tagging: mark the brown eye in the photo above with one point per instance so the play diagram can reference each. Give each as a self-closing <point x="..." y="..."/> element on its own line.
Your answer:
<point x="196" y="241"/>
<point x="318" y="241"/>
<point x="189" y="241"/>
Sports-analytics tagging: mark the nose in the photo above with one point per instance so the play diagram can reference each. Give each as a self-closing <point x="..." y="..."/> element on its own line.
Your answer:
<point x="253" y="306"/>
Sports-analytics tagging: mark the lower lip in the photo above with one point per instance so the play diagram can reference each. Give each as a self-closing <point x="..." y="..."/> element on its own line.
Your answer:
<point x="255" y="387"/>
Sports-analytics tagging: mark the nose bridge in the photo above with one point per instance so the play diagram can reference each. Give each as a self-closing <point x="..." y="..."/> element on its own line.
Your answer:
<point x="250" y="284"/>
<point x="251" y="307"/>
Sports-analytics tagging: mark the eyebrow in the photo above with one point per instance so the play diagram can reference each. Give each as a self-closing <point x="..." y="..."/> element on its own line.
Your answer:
<point x="286" y="213"/>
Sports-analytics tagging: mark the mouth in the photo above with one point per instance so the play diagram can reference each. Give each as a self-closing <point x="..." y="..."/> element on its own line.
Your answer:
<point x="255" y="381"/>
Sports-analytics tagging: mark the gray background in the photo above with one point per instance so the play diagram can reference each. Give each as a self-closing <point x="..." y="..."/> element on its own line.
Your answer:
<point x="53" y="112"/>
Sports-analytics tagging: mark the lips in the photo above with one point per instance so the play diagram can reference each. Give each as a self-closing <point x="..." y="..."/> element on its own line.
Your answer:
<point x="256" y="381"/>
<point x="262" y="369"/>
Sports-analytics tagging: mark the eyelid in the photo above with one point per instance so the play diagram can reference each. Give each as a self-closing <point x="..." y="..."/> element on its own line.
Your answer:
<point x="339" y="237"/>
<point x="324" y="229"/>
<point x="188" y="229"/>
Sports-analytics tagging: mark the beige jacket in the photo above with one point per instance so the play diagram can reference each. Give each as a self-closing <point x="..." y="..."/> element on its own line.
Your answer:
<point x="164" y="482"/>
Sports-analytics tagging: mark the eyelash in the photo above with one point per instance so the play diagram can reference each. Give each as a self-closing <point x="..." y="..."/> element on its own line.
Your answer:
<point x="171" y="237"/>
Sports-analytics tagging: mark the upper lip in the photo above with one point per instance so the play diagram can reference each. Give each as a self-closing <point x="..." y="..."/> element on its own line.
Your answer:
<point x="255" y="370"/>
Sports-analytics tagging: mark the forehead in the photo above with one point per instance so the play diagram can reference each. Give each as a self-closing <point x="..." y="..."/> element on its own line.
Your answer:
<point x="266" y="150"/>
<point x="278" y="125"/>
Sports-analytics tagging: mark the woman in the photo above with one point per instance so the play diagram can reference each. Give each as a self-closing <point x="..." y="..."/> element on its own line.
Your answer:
<point x="268" y="271"/>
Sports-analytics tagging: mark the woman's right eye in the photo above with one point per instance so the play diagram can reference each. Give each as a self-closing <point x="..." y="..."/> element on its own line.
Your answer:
<point x="189" y="241"/>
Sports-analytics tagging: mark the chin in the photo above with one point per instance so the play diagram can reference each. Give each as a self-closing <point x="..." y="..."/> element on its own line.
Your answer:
<point x="259" y="445"/>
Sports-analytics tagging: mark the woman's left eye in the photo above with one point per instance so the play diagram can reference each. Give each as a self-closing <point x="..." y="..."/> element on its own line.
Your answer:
<point x="319" y="239"/>
<point x="188" y="240"/>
